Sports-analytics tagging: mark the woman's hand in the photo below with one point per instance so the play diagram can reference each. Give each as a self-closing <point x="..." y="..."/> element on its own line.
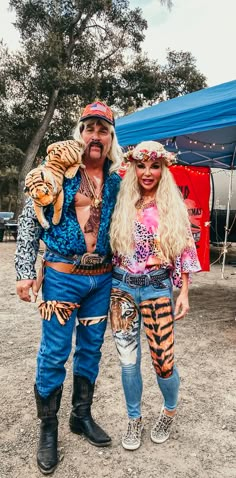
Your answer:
<point x="182" y="302"/>
<point x="181" y="306"/>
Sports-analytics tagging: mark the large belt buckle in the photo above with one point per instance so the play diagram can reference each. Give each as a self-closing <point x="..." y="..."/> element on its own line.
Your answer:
<point x="128" y="280"/>
<point x="91" y="259"/>
<point x="135" y="281"/>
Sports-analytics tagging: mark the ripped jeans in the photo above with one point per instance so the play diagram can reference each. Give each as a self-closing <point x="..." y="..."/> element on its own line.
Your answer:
<point x="151" y="305"/>
<point x="92" y="295"/>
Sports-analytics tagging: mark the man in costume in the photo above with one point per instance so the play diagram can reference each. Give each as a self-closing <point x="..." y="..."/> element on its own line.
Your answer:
<point x="76" y="282"/>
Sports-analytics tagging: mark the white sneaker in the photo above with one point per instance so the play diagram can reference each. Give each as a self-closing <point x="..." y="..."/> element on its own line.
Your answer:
<point x="161" y="430"/>
<point x="131" y="439"/>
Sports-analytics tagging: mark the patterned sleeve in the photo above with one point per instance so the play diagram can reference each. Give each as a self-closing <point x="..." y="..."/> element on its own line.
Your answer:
<point x="28" y="235"/>
<point x="187" y="262"/>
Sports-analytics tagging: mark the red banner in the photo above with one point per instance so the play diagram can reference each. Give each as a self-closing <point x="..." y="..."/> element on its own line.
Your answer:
<point x="194" y="183"/>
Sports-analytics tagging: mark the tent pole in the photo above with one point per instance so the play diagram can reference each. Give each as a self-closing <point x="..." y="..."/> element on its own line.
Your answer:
<point x="227" y="217"/>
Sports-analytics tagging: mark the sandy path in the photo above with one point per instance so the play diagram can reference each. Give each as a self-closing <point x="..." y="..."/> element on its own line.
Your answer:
<point x="203" y="441"/>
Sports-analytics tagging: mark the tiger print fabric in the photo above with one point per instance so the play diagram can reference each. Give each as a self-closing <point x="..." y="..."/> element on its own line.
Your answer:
<point x="123" y="311"/>
<point x="159" y="327"/>
<point x="88" y="322"/>
<point x="63" y="310"/>
<point x="125" y="325"/>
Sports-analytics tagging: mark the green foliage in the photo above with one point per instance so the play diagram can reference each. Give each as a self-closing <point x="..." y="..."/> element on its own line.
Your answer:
<point x="138" y="83"/>
<point x="66" y="43"/>
<point x="169" y="3"/>
<point x="10" y="156"/>
<point x="180" y="75"/>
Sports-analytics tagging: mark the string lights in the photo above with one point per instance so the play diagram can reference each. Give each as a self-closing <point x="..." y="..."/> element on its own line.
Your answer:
<point x="208" y="144"/>
<point x="190" y="170"/>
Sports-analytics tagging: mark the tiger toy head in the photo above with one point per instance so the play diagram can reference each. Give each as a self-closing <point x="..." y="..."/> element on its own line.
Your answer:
<point x="40" y="185"/>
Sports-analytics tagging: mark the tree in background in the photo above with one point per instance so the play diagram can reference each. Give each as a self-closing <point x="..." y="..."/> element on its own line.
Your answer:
<point x="181" y="76"/>
<point x="66" y="46"/>
<point x="73" y="52"/>
<point x="11" y="156"/>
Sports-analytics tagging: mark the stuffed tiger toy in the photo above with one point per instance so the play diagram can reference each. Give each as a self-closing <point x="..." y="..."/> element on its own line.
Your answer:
<point x="44" y="184"/>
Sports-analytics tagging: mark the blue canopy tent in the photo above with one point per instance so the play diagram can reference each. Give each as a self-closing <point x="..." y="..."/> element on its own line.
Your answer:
<point x="200" y="127"/>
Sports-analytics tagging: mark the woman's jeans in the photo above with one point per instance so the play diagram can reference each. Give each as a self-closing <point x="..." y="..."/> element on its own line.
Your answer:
<point x="151" y="305"/>
<point x="92" y="293"/>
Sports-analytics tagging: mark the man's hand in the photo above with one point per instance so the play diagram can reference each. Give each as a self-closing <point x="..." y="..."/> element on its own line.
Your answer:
<point x="23" y="288"/>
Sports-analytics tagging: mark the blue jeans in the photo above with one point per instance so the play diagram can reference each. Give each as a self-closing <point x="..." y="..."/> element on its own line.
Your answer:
<point x="152" y="305"/>
<point x="93" y="294"/>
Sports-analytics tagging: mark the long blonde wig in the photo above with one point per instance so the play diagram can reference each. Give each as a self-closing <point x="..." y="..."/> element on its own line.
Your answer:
<point x="115" y="154"/>
<point x="174" y="222"/>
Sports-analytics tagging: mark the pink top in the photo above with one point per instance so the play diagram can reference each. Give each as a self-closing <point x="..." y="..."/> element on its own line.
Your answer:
<point x="147" y="255"/>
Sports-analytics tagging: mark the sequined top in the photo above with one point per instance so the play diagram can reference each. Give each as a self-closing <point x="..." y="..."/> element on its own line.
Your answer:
<point x="147" y="254"/>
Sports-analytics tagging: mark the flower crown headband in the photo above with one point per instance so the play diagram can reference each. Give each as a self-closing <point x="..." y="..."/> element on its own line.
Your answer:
<point x="145" y="155"/>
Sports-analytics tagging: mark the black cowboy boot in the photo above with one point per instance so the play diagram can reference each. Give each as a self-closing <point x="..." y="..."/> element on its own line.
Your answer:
<point x="81" y="420"/>
<point x="47" y="409"/>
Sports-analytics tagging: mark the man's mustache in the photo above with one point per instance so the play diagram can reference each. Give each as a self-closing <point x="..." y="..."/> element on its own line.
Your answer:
<point x="96" y="143"/>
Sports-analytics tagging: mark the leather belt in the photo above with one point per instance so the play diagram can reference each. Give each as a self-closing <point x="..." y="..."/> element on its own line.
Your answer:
<point x="141" y="280"/>
<point x="84" y="270"/>
<point x="85" y="259"/>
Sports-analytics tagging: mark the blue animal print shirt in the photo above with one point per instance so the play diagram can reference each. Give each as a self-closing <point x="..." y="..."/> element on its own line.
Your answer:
<point x="67" y="237"/>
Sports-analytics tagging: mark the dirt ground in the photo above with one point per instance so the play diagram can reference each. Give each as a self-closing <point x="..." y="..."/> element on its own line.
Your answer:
<point x="203" y="441"/>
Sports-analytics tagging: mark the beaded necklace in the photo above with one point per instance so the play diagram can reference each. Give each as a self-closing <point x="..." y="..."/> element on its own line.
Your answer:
<point x="141" y="204"/>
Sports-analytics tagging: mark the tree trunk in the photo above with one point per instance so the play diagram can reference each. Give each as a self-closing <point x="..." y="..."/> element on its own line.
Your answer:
<point x="32" y="151"/>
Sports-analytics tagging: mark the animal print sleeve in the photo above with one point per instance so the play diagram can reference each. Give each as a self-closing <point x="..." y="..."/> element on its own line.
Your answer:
<point x="187" y="262"/>
<point x="27" y="243"/>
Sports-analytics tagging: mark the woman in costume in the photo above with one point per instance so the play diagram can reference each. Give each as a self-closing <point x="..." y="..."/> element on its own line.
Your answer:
<point x="153" y="250"/>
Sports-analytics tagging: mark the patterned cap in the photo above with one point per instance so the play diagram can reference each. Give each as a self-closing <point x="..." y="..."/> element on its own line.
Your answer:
<point x="98" y="110"/>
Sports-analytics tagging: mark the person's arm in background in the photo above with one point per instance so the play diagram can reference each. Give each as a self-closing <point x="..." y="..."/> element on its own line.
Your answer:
<point x="28" y="235"/>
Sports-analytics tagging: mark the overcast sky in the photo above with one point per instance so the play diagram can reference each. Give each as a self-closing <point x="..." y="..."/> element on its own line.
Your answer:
<point x="206" y="28"/>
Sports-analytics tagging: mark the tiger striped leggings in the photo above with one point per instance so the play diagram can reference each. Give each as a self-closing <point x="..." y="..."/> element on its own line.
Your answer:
<point x="153" y="307"/>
